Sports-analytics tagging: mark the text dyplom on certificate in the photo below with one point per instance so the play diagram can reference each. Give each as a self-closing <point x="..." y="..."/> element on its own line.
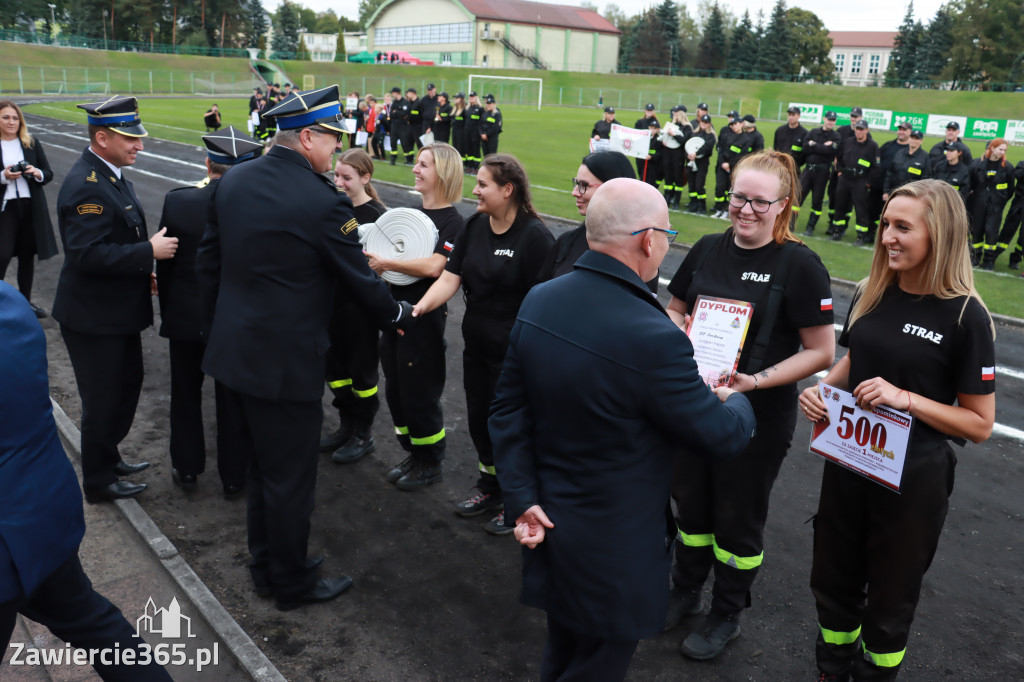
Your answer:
<point x="870" y="443"/>
<point x="718" y="327"/>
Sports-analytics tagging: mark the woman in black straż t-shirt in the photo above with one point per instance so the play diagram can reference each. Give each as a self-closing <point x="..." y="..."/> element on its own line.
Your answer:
<point x="921" y="341"/>
<point x="496" y="260"/>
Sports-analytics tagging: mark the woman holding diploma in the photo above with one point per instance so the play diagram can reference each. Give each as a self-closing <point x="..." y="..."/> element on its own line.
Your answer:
<point x="924" y="344"/>
<point x="723" y="506"/>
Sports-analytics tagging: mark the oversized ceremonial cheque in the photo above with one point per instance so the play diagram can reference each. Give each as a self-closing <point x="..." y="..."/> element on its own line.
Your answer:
<point x="872" y="444"/>
<point x="718" y="327"/>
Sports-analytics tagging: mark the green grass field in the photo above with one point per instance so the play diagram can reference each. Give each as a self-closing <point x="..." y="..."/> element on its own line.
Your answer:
<point x="551" y="144"/>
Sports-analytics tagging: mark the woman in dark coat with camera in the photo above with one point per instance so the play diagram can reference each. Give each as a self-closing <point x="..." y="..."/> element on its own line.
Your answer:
<point x="25" y="227"/>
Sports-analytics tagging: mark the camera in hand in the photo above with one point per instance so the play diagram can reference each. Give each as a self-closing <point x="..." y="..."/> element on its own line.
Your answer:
<point x="19" y="167"/>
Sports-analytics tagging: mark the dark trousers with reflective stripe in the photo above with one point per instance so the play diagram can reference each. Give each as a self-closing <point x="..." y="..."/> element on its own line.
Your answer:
<point x="1012" y="227"/>
<point x="986" y="217"/>
<point x="852" y="194"/>
<point x="571" y="657"/>
<point x="283" y="439"/>
<point x="728" y="501"/>
<point x="721" y="187"/>
<point x="813" y="184"/>
<point x="471" y="155"/>
<point x="188" y="443"/>
<point x="697" y="181"/>
<point x="672" y="165"/>
<point x="490" y="145"/>
<point x="414" y="372"/>
<point x="108" y="371"/>
<point x="486" y="340"/>
<point x="872" y="548"/>
<point x="352" y="365"/>
<point x="402" y="132"/>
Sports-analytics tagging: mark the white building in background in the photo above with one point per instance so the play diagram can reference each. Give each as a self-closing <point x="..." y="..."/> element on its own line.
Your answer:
<point x="355" y="41"/>
<point x="861" y="57"/>
<point x="322" y="47"/>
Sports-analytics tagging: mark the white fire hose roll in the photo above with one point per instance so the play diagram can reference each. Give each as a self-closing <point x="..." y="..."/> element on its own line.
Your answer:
<point x="399" y="234"/>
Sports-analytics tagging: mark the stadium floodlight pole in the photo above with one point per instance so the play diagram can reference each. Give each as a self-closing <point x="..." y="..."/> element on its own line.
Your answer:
<point x="540" y="83"/>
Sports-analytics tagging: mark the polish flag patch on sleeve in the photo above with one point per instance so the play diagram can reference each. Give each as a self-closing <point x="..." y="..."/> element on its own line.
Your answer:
<point x="826" y="304"/>
<point x="448" y="246"/>
<point x="988" y="373"/>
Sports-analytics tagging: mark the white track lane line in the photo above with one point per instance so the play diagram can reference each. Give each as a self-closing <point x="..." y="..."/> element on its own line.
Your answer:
<point x="186" y="183"/>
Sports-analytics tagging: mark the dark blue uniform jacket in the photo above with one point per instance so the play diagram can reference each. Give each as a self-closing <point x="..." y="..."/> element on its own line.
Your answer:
<point x="598" y="390"/>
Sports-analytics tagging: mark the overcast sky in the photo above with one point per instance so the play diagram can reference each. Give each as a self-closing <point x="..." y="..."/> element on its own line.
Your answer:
<point x="857" y="15"/>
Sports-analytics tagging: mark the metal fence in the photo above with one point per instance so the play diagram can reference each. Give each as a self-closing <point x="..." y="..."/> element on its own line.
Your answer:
<point x="63" y="40"/>
<point x="55" y="80"/>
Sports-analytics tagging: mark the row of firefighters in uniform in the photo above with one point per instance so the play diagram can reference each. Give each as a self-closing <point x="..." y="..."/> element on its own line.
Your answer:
<point x="842" y="162"/>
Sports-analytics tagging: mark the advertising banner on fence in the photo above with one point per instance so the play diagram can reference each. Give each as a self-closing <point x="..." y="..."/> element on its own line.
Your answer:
<point x="878" y="119"/>
<point x="842" y="115"/>
<point x="810" y="113"/>
<point x="937" y="124"/>
<point x="984" y="128"/>
<point x="917" y="121"/>
<point x="1014" y="132"/>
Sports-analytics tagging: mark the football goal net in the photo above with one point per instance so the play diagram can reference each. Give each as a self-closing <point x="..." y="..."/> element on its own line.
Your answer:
<point x="508" y="89"/>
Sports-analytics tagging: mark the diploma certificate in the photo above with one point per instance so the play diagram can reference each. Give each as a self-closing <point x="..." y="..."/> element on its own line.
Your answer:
<point x="872" y="444"/>
<point x="718" y="327"/>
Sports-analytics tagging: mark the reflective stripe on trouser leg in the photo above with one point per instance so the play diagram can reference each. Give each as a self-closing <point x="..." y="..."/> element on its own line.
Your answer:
<point x="696" y="539"/>
<point x="364" y="394"/>
<point x="428" y="440"/>
<point x="485" y="469"/>
<point x="836" y="651"/>
<point x="743" y="563"/>
<point x="892" y="660"/>
<point x="340" y="383"/>
<point x="837" y="637"/>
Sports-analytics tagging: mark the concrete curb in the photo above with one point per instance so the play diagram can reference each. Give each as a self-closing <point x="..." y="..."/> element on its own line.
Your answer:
<point x="237" y="642"/>
<point x="836" y="282"/>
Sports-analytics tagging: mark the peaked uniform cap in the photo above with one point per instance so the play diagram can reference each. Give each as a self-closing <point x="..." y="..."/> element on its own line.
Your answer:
<point x="119" y="113"/>
<point x="302" y="109"/>
<point x="231" y="146"/>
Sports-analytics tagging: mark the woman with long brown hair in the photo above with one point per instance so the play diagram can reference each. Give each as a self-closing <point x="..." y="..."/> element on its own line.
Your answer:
<point x="992" y="183"/>
<point x="723" y="505"/>
<point x="920" y="341"/>
<point x="496" y="259"/>
<point x="25" y="227"/>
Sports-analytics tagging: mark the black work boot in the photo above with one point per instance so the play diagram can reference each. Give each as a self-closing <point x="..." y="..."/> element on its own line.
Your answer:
<point x="717" y="630"/>
<point x="811" y="222"/>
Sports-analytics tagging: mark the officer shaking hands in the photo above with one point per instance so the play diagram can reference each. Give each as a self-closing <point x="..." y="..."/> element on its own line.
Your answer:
<point x="103" y="293"/>
<point x="268" y="276"/>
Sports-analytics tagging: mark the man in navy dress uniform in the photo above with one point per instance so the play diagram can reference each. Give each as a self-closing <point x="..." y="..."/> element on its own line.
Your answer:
<point x="184" y="217"/>
<point x="598" y="388"/>
<point x="41" y="519"/>
<point x="268" y="275"/>
<point x="103" y="298"/>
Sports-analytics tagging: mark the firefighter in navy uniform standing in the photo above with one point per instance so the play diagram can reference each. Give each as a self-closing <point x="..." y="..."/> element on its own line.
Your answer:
<point x="858" y="156"/>
<point x="821" y="148"/>
<point x="184" y="216"/>
<point x="992" y="184"/>
<point x="474" y="118"/>
<point x="443" y="125"/>
<point x="700" y="161"/>
<point x="911" y="163"/>
<point x="428" y="106"/>
<point x="646" y="168"/>
<point x="268" y="276"/>
<point x="845" y="133"/>
<point x="490" y="126"/>
<point x="1014" y="218"/>
<point x="104" y="293"/>
<point x="603" y="128"/>
<point x="954" y="172"/>
<point x="952" y="139"/>
<point x="731" y="143"/>
<point x="791" y="138"/>
<point x="398" y="124"/>
<point x="415" y="125"/>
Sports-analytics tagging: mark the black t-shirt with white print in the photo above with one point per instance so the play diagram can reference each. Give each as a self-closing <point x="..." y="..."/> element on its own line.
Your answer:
<point x="498" y="270"/>
<point x="730" y="271"/>
<point x="924" y="345"/>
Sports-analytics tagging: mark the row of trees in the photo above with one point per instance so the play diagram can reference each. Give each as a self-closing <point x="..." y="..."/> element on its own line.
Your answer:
<point x="667" y="39"/>
<point x="194" y="23"/>
<point x="968" y="44"/>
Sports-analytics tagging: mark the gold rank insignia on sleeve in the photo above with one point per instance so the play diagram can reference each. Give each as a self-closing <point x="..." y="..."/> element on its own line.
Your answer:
<point x="349" y="226"/>
<point x="91" y="177"/>
<point x="89" y="208"/>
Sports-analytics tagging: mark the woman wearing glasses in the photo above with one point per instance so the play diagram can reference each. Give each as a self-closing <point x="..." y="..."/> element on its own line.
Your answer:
<point x="723" y="506"/>
<point x="595" y="170"/>
<point x="496" y="260"/>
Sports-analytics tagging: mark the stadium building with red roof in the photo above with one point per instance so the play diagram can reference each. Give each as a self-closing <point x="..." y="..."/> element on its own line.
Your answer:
<point x="511" y="34"/>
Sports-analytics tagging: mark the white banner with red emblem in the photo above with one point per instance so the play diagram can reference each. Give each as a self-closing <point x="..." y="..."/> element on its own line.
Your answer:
<point x="630" y="141"/>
